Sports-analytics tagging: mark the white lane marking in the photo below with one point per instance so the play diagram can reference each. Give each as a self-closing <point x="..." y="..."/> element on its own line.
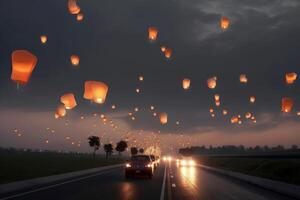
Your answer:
<point x="55" y="185"/>
<point x="162" y="193"/>
<point x="173" y="185"/>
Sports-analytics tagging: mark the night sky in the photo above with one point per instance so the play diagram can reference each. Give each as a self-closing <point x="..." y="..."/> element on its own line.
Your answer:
<point x="262" y="41"/>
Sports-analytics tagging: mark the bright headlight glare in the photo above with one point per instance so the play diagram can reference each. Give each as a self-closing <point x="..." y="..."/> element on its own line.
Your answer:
<point x="128" y="165"/>
<point x="183" y="162"/>
<point x="191" y="162"/>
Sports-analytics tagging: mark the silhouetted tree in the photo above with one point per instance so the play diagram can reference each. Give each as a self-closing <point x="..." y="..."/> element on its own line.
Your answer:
<point x="141" y="150"/>
<point x="108" y="148"/>
<point x="133" y="151"/>
<point x="94" y="141"/>
<point x="121" y="146"/>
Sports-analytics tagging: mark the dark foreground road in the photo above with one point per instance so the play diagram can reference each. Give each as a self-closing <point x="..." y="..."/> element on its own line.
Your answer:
<point x="186" y="183"/>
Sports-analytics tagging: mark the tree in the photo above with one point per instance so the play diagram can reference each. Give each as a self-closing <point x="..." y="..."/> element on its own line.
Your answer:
<point x="134" y="151"/>
<point x="141" y="150"/>
<point x="94" y="141"/>
<point x="108" y="148"/>
<point x="121" y="146"/>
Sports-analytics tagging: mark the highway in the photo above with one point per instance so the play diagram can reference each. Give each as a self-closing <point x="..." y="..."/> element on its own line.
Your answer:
<point x="170" y="182"/>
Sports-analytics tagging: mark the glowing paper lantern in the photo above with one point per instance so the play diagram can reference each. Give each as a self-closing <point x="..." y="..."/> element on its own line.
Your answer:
<point x="152" y="31"/>
<point x="225" y="112"/>
<point x="224" y="23"/>
<point x="163" y="118"/>
<point x="151" y="107"/>
<point x="137" y="90"/>
<point x="43" y="39"/>
<point x="75" y="60"/>
<point x="217" y="97"/>
<point x="79" y="17"/>
<point x="95" y="91"/>
<point x="60" y="111"/>
<point x="68" y="100"/>
<point x="168" y="53"/>
<point x="212" y="82"/>
<point x="234" y="119"/>
<point x="113" y="107"/>
<point x="23" y="63"/>
<point x="252" y="99"/>
<point x="290" y="77"/>
<point x="141" y="78"/>
<point x="73" y="7"/>
<point x="286" y="104"/>
<point x="243" y="78"/>
<point x="186" y="83"/>
<point x="248" y="115"/>
<point x="211" y="110"/>
<point x="163" y="49"/>
<point x="218" y="103"/>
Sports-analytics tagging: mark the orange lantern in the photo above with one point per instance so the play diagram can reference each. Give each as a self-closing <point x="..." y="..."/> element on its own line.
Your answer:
<point x="248" y="115"/>
<point x="168" y="53"/>
<point x="79" y="17"/>
<point x="217" y="97"/>
<point x="68" y="100"/>
<point x="95" y="91"/>
<point x="218" y="103"/>
<point x="234" y="120"/>
<point x="290" y="77"/>
<point x="252" y="99"/>
<point x="186" y="83"/>
<point x="75" y="60"/>
<point x="243" y="78"/>
<point x="286" y="104"/>
<point x="163" y="48"/>
<point x="225" y="112"/>
<point x="211" y="110"/>
<point x="163" y="118"/>
<point x="23" y="63"/>
<point x="224" y="23"/>
<point x="141" y="78"/>
<point x="212" y="82"/>
<point x="152" y="31"/>
<point x="73" y="7"/>
<point x="60" y="111"/>
<point x="43" y="39"/>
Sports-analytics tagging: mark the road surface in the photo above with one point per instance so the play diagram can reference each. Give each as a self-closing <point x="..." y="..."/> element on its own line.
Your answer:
<point x="170" y="182"/>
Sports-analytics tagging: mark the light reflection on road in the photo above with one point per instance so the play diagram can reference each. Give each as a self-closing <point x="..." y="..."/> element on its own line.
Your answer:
<point x="188" y="175"/>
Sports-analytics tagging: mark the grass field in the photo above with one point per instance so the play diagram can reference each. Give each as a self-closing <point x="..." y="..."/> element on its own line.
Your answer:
<point x="21" y="165"/>
<point x="281" y="169"/>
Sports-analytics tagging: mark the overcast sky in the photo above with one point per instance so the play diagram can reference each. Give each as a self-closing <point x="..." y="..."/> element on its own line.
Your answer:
<point x="262" y="42"/>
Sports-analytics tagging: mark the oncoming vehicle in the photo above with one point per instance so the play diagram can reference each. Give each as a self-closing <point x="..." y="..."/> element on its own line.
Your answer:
<point x="139" y="165"/>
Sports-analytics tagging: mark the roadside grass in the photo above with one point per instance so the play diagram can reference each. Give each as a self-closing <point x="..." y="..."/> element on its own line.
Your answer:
<point x="22" y="165"/>
<point x="286" y="170"/>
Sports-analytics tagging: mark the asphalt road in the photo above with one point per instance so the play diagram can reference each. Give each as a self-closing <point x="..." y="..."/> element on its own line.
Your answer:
<point x="170" y="182"/>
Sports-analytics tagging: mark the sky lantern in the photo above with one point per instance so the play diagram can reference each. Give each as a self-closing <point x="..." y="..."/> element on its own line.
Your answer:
<point x="141" y="78"/>
<point x="217" y="97"/>
<point x="153" y="31"/>
<point x="225" y="112"/>
<point x="211" y="110"/>
<point x="248" y="115"/>
<point x="163" y="49"/>
<point x="79" y="17"/>
<point x="154" y="114"/>
<point x="137" y="90"/>
<point x="218" y="103"/>
<point x="95" y="91"/>
<point x="23" y="64"/>
<point x="298" y="113"/>
<point x="113" y="107"/>
<point x="286" y="104"/>
<point x="243" y="78"/>
<point x="163" y="118"/>
<point x="75" y="60"/>
<point x="136" y="109"/>
<point x="186" y="83"/>
<point x="290" y="78"/>
<point x="168" y="53"/>
<point x="212" y="82"/>
<point x="74" y="9"/>
<point x="60" y="111"/>
<point x="68" y="100"/>
<point x="252" y="99"/>
<point x="151" y="107"/>
<point x="234" y="119"/>
<point x="43" y="39"/>
<point x="224" y="23"/>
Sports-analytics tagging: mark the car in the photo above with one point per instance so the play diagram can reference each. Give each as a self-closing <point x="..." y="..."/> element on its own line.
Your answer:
<point x="139" y="165"/>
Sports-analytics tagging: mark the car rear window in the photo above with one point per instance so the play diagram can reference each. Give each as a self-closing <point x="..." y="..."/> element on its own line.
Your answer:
<point x="140" y="158"/>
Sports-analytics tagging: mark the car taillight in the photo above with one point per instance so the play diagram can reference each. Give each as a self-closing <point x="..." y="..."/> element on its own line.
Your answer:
<point x="128" y="165"/>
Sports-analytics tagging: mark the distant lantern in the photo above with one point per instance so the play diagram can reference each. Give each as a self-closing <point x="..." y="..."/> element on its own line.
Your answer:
<point x="225" y="112"/>
<point x="234" y="119"/>
<point x="248" y="115"/>
<point x="243" y="78"/>
<point x="154" y="114"/>
<point x="68" y="100"/>
<point x="163" y="118"/>
<point x="141" y="78"/>
<point x="217" y="97"/>
<point x="95" y="91"/>
<point x="113" y="107"/>
<point x="79" y="17"/>
<point x="286" y="104"/>
<point x="60" y="111"/>
<point x="75" y="60"/>
<point x="152" y="31"/>
<point x="163" y="49"/>
<point x="168" y="53"/>
<point x="218" y="103"/>
<point x="212" y="82"/>
<point x="290" y="78"/>
<point x="212" y="115"/>
<point x="211" y="110"/>
<point x="137" y="90"/>
<point x="23" y="64"/>
<point x="73" y="7"/>
<point x="186" y="83"/>
<point x="177" y="122"/>
<point x="136" y="109"/>
<point x="132" y="118"/>
<point x="224" y="23"/>
<point x="298" y="113"/>
<point x="252" y="99"/>
<point x="151" y="107"/>
<point x="43" y="39"/>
